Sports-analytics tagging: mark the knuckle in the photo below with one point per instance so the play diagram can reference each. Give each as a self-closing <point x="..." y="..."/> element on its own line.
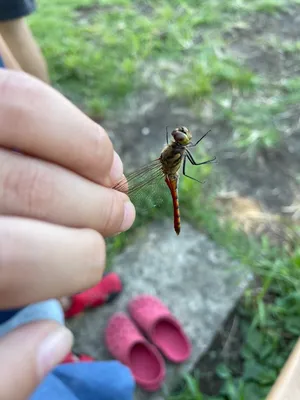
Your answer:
<point x="21" y="83"/>
<point x="29" y="189"/>
<point x="21" y="93"/>
<point x="11" y="81"/>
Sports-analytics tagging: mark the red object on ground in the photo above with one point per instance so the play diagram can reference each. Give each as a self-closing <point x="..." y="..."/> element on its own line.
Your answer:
<point x="126" y="344"/>
<point x="72" y="358"/>
<point x="161" y="327"/>
<point x="104" y="292"/>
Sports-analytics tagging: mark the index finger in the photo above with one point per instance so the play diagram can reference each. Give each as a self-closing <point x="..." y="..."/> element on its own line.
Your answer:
<point x="38" y="120"/>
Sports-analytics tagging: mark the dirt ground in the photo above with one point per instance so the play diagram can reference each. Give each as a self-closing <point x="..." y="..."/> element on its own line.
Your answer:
<point x="273" y="176"/>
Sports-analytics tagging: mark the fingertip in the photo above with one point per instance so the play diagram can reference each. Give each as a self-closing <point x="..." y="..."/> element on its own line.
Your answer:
<point x="129" y="216"/>
<point x="116" y="172"/>
<point x="53" y="349"/>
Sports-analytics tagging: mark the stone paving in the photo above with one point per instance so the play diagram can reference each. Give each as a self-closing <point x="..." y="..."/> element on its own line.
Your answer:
<point x="195" y="278"/>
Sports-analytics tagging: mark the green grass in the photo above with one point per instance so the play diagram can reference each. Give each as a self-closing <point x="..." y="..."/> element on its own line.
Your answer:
<point x="97" y="50"/>
<point x="101" y="51"/>
<point x="269" y="315"/>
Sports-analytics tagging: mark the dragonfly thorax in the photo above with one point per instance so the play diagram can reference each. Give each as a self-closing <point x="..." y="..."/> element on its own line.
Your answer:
<point x="171" y="158"/>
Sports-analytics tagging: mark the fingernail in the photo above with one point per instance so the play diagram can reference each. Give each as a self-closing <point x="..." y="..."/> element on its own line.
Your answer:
<point x="129" y="216"/>
<point x="53" y="350"/>
<point x="116" y="172"/>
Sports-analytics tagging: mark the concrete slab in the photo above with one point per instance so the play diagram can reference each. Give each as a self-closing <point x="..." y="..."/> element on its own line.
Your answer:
<point x="197" y="280"/>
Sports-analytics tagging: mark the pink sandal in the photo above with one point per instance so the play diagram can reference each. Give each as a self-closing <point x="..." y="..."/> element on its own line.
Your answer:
<point x="127" y="345"/>
<point x="161" y="327"/>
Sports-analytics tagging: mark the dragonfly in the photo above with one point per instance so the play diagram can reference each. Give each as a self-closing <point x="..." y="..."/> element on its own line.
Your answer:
<point x="167" y="167"/>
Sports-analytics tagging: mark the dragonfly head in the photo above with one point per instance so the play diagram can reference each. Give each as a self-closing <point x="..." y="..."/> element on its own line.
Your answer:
<point x="182" y="135"/>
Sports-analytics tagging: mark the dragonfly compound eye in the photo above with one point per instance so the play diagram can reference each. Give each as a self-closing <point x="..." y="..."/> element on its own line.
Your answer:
<point x="184" y="129"/>
<point x="179" y="137"/>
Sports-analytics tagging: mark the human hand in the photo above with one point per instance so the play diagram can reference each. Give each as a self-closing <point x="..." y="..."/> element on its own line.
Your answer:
<point x="56" y="205"/>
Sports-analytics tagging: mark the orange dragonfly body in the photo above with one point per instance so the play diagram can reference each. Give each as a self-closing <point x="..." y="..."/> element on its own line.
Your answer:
<point x="166" y="167"/>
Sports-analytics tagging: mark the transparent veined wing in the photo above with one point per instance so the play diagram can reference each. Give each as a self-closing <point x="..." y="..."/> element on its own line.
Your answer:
<point x="146" y="187"/>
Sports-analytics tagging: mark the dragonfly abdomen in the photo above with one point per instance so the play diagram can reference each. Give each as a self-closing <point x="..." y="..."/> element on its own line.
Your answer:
<point x="171" y="181"/>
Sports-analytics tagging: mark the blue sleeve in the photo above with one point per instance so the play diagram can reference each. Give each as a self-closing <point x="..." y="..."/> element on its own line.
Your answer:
<point x="98" y="380"/>
<point x="53" y="388"/>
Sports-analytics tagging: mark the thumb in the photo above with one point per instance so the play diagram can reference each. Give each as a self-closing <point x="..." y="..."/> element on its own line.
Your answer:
<point x="28" y="353"/>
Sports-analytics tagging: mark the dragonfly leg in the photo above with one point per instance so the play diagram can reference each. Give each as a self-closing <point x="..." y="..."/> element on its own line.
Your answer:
<point x="188" y="176"/>
<point x="193" y="162"/>
<point x="193" y="145"/>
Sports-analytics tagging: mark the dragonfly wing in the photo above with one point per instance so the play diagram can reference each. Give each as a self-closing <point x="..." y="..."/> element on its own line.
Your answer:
<point x="145" y="187"/>
<point x="140" y="178"/>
